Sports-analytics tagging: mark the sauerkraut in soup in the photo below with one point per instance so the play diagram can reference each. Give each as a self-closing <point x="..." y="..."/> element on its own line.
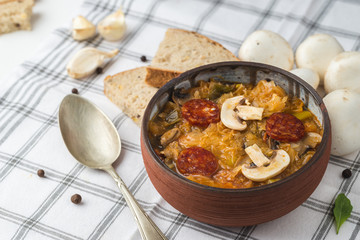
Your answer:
<point x="230" y="135"/>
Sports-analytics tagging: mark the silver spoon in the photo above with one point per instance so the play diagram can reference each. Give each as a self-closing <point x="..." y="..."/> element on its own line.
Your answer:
<point x="93" y="140"/>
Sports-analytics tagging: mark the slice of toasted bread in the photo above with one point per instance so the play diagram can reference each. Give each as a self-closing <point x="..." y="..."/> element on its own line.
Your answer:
<point x="129" y="92"/>
<point x="158" y="77"/>
<point x="15" y="15"/>
<point x="182" y="50"/>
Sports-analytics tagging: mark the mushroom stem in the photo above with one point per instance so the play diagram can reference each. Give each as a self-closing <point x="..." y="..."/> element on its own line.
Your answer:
<point x="249" y="112"/>
<point x="257" y="156"/>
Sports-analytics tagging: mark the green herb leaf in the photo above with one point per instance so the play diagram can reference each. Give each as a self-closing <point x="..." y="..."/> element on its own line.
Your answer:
<point x="218" y="89"/>
<point x="342" y="210"/>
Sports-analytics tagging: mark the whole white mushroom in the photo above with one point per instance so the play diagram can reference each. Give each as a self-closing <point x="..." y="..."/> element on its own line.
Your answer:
<point x="308" y="75"/>
<point x="342" y="106"/>
<point x="316" y="52"/>
<point x="267" y="47"/>
<point x="343" y="72"/>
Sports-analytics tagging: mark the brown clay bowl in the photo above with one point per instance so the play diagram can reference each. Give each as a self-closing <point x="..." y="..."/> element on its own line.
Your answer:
<point x="237" y="207"/>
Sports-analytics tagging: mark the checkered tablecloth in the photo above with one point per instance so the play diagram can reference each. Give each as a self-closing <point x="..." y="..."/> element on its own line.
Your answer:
<point x="40" y="208"/>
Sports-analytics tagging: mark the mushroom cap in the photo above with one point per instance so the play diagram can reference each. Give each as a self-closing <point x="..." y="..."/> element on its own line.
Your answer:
<point x="276" y="166"/>
<point x="308" y="75"/>
<point x="342" y="105"/>
<point x="228" y="116"/>
<point x="267" y="47"/>
<point x="316" y="52"/>
<point x="343" y="72"/>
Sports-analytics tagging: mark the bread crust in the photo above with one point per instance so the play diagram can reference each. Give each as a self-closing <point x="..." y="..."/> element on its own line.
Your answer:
<point x="159" y="77"/>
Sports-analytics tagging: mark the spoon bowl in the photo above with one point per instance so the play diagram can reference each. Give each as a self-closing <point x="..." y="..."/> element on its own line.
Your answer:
<point x="92" y="139"/>
<point x="93" y="142"/>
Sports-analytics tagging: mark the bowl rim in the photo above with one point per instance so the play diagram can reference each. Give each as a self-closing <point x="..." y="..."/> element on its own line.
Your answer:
<point x="321" y="148"/>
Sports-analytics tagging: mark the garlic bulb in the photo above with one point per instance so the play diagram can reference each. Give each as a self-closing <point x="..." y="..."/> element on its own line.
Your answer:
<point x="85" y="61"/>
<point x="82" y="29"/>
<point x="113" y="27"/>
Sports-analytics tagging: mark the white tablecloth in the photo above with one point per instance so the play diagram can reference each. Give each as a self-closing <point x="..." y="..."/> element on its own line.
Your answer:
<point x="40" y="208"/>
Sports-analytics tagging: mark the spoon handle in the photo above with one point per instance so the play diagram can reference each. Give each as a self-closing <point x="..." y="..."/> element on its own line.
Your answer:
<point x="147" y="228"/>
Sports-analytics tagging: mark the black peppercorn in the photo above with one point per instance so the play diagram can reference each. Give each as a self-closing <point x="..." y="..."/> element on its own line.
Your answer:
<point x="17" y="25"/>
<point x="41" y="173"/>
<point x="76" y="198"/>
<point x="346" y="173"/>
<point x="99" y="70"/>
<point x="143" y="58"/>
<point x="74" y="91"/>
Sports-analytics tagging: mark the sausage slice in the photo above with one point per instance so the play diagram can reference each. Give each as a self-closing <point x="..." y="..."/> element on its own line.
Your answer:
<point x="196" y="160"/>
<point x="200" y="112"/>
<point x="284" y="127"/>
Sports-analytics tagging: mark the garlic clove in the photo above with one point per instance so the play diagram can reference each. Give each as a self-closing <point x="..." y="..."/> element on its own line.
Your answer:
<point x="85" y="61"/>
<point x="113" y="27"/>
<point x="82" y="29"/>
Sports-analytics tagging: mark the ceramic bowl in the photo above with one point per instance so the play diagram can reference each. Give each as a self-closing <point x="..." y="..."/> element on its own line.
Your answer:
<point x="237" y="207"/>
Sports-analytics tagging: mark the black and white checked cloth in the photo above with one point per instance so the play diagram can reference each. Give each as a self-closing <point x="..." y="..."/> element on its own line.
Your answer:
<point x="40" y="208"/>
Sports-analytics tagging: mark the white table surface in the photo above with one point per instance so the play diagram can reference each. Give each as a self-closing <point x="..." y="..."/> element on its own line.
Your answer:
<point x="18" y="46"/>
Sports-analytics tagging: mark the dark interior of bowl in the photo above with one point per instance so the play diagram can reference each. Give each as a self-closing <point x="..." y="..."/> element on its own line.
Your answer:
<point x="237" y="207"/>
